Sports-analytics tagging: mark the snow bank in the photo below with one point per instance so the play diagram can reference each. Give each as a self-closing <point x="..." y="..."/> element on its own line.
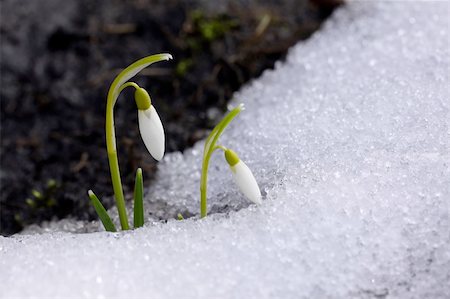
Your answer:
<point x="349" y="141"/>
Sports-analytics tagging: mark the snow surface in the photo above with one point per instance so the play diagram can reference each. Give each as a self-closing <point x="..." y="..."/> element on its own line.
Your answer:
<point x="349" y="141"/>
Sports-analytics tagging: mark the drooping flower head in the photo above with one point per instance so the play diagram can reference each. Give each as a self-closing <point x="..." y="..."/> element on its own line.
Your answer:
<point x="150" y="126"/>
<point x="243" y="177"/>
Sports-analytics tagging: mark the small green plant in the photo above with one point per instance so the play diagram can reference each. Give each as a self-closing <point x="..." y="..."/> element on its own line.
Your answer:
<point x="212" y="27"/>
<point x="152" y="133"/>
<point x="241" y="173"/>
<point x="45" y="199"/>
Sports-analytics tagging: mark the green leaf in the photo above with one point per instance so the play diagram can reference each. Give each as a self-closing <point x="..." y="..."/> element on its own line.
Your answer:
<point x="101" y="212"/>
<point x="138" y="200"/>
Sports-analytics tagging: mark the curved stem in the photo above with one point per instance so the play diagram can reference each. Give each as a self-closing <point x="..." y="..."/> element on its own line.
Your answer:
<point x="210" y="147"/>
<point x="219" y="147"/>
<point x="114" y="161"/>
<point x="128" y="84"/>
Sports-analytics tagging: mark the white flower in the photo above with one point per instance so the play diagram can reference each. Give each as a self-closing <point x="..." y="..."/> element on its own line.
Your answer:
<point x="152" y="132"/>
<point x="243" y="177"/>
<point x="150" y="126"/>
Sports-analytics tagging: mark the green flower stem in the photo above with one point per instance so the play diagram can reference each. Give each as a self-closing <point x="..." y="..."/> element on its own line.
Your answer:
<point x="114" y="167"/>
<point x="220" y="147"/>
<point x="128" y="84"/>
<point x="204" y="180"/>
<point x="203" y="185"/>
<point x="210" y="147"/>
<point x="116" y="87"/>
<point x="114" y="163"/>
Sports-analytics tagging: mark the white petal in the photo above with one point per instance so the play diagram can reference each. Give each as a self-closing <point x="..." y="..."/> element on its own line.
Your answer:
<point x="152" y="132"/>
<point x="244" y="178"/>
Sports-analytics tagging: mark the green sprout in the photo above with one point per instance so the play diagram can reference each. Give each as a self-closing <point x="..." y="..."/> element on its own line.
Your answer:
<point x="152" y="133"/>
<point x="183" y="67"/>
<point x="212" y="27"/>
<point x="45" y="199"/>
<point x="241" y="173"/>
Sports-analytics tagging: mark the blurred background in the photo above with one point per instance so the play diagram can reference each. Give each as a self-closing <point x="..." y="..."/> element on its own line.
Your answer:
<point x="58" y="59"/>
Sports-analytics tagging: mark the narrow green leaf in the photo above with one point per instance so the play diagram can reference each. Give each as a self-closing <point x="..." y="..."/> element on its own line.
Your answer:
<point x="138" y="200"/>
<point x="101" y="212"/>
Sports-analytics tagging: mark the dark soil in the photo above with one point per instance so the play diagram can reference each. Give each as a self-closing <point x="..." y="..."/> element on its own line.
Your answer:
<point x="58" y="59"/>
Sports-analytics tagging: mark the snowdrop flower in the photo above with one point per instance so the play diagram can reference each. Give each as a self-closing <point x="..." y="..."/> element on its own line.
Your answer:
<point x="243" y="177"/>
<point x="152" y="133"/>
<point x="150" y="126"/>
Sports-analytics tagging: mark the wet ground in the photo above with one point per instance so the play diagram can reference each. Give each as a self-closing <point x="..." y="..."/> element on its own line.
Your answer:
<point x="59" y="57"/>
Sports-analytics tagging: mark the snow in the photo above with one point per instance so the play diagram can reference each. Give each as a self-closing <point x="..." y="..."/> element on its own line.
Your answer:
<point x="349" y="142"/>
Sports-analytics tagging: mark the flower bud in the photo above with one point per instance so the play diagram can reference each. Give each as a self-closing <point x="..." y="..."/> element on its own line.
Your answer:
<point x="152" y="132"/>
<point x="142" y="98"/>
<point x="243" y="177"/>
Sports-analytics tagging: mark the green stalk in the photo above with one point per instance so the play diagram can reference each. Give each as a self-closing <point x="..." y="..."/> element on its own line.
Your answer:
<point x="138" y="200"/>
<point x="210" y="146"/>
<point x="113" y="94"/>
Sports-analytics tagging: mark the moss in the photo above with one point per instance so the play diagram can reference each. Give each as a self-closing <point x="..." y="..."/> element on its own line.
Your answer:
<point x="183" y="66"/>
<point x="43" y="200"/>
<point x="213" y="27"/>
